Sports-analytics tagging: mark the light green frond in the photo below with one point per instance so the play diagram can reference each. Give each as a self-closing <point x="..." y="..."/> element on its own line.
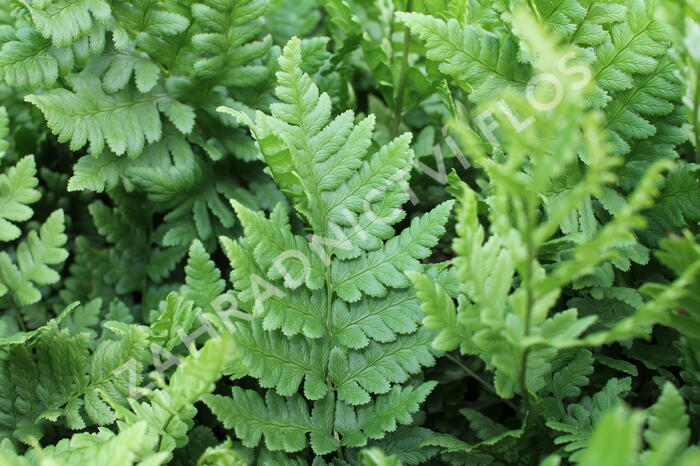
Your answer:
<point x="371" y="275"/>
<point x="17" y="191"/>
<point x="390" y="410"/>
<point x="283" y="363"/>
<point x="65" y="21"/>
<point x="62" y="378"/>
<point x="228" y="54"/>
<point x="344" y="341"/>
<point x="357" y="375"/>
<point x="203" y="282"/>
<point x="34" y="255"/>
<point x="485" y="63"/>
<point x="169" y="410"/>
<point x="439" y="310"/>
<point x="283" y="422"/>
<point x="30" y="61"/>
<point x="124" y="121"/>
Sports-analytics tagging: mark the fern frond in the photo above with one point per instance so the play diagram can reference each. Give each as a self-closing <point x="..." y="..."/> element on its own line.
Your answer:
<point x="618" y="435"/>
<point x="59" y="377"/>
<point x="30" y="61"/>
<point x="371" y="275"/>
<point x="65" y="21"/>
<point x="508" y="311"/>
<point x="284" y="423"/>
<point x="378" y="366"/>
<point x="89" y="116"/>
<point x="227" y="28"/>
<point x="308" y="151"/>
<point x="99" y="449"/>
<point x="381" y="320"/>
<point x="122" y="64"/>
<point x="154" y="17"/>
<point x="631" y="114"/>
<point x="580" y="417"/>
<point x="283" y="363"/>
<point x="203" y="282"/>
<point x="170" y="410"/>
<point x="98" y="174"/>
<point x="439" y="310"/>
<point x="668" y="418"/>
<point x="132" y="257"/>
<point x="320" y="311"/>
<point x="391" y="409"/>
<point x="484" y="62"/>
<point x="295" y="314"/>
<point x="376" y="457"/>
<point x="189" y="190"/>
<point x="148" y="432"/>
<point x="17" y="191"/>
<point x="34" y="256"/>
<point x="27" y="338"/>
<point x="678" y="203"/>
<point x="175" y="318"/>
<point x="272" y="238"/>
<point x="676" y="304"/>
<point x="567" y="381"/>
<point x="633" y="47"/>
<point x="583" y="22"/>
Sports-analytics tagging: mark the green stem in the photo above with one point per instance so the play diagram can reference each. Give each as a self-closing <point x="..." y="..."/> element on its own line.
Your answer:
<point x="20" y="318"/>
<point x="533" y="8"/>
<point x="696" y="118"/>
<point x="529" y="301"/>
<point x="398" y="108"/>
<point x="478" y="378"/>
<point x="523" y="380"/>
<point x="147" y="257"/>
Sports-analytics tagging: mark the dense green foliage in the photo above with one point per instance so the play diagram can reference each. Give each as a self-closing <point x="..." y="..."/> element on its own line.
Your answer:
<point x="373" y="232"/>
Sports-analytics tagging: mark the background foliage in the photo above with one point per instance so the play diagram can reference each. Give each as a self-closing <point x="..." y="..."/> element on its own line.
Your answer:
<point x="474" y="278"/>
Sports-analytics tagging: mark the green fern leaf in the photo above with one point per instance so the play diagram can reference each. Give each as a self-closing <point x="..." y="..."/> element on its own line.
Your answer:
<point x="30" y="61"/>
<point x="439" y="310"/>
<point x="98" y="174"/>
<point x="227" y="28"/>
<point x="378" y="366"/>
<point x="60" y="379"/>
<point x="615" y="439"/>
<point x="284" y="423"/>
<point x="580" y="417"/>
<point x="318" y="316"/>
<point x="380" y="320"/>
<point x="170" y="410"/>
<point x="486" y="63"/>
<point x="155" y="18"/>
<point x="391" y="409"/>
<point x="34" y="256"/>
<point x="65" y="21"/>
<point x="99" y="449"/>
<point x="125" y="63"/>
<point x="567" y="382"/>
<point x="668" y="418"/>
<point x="16" y="192"/>
<point x="175" y="318"/>
<point x="380" y="269"/>
<point x="283" y="363"/>
<point x="582" y="22"/>
<point x="203" y="283"/>
<point x="89" y="116"/>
